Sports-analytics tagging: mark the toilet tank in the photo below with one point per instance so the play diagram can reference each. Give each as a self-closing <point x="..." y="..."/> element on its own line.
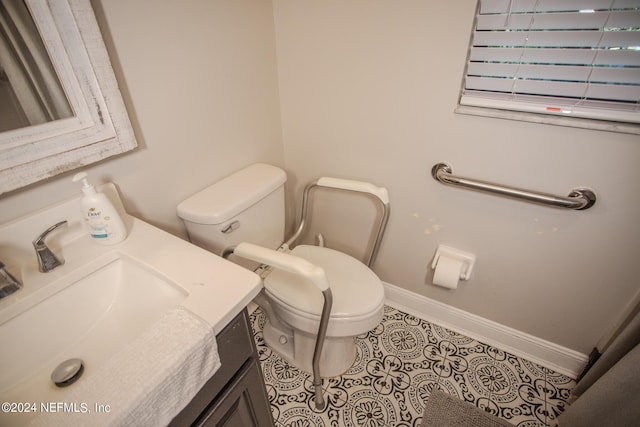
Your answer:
<point x="247" y="206"/>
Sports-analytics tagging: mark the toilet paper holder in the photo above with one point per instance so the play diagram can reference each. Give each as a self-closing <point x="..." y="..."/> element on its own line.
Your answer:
<point x="468" y="259"/>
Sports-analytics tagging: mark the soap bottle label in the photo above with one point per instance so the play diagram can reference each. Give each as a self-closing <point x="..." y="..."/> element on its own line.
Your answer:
<point x="98" y="225"/>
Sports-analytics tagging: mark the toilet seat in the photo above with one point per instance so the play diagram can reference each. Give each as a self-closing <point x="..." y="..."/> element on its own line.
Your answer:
<point x="358" y="294"/>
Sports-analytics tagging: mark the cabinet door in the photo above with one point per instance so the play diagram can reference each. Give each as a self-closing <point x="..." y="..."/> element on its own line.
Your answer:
<point x="242" y="404"/>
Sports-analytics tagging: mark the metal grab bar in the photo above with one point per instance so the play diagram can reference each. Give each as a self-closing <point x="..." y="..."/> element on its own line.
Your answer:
<point x="578" y="199"/>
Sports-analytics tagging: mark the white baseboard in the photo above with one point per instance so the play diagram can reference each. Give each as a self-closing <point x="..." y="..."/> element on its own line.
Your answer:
<point x="545" y="353"/>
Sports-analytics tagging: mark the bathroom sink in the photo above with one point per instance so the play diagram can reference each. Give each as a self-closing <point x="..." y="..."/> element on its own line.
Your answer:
<point x="98" y="307"/>
<point x="97" y="311"/>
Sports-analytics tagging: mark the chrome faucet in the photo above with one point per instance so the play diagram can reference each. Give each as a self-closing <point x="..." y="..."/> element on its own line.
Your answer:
<point x="47" y="260"/>
<point x="8" y="283"/>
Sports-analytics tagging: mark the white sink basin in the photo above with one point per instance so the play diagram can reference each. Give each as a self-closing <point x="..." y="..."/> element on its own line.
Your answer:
<point x="100" y="308"/>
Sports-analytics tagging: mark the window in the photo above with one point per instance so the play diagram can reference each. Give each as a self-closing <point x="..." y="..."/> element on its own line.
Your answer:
<point x="571" y="58"/>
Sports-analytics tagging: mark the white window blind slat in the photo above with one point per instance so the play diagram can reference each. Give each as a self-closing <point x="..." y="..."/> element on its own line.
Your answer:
<point x="536" y="56"/>
<point x="512" y="71"/>
<point x="621" y="92"/>
<point x="586" y="52"/>
<point x="520" y="6"/>
<point x="556" y="56"/>
<point x="553" y="72"/>
<point x="564" y="20"/>
<point x="618" y="57"/>
<point x="574" y="90"/>
<point x="616" y="75"/>
<point x="573" y="39"/>
<point x="529" y="87"/>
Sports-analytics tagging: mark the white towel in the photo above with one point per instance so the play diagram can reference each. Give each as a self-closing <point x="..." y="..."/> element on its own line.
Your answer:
<point x="150" y="381"/>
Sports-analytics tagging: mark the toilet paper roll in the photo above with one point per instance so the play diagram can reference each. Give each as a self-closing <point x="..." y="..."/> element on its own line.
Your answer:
<point x="447" y="273"/>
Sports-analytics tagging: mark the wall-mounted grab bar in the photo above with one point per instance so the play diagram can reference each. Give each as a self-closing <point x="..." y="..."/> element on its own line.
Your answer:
<point x="578" y="199"/>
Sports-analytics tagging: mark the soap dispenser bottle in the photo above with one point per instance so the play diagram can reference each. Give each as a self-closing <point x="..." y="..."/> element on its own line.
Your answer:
<point x="102" y="219"/>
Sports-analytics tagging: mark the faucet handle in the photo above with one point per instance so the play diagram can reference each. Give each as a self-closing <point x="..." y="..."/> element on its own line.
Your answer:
<point x="8" y="283"/>
<point x="47" y="260"/>
<point x="39" y="241"/>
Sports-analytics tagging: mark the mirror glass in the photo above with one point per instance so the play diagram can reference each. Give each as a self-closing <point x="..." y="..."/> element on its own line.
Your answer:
<point x="60" y="105"/>
<point x="30" y="91"/>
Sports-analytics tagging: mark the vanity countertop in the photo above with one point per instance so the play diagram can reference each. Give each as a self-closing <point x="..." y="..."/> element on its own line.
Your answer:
<point x="209" y="286"/>
<point x="217" y="289"/>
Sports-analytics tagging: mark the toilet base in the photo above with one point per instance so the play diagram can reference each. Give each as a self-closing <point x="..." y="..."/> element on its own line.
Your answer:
<point x="297" y="347"/>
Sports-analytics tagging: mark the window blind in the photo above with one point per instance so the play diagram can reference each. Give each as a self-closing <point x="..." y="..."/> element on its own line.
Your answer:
<point x="577" y="58"/>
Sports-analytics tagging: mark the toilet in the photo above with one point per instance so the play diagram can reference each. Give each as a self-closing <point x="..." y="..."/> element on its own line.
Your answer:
<point x="248" y="206"/>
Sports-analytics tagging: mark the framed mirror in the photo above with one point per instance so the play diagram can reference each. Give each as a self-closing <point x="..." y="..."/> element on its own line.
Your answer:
<point x="61" y="105"/>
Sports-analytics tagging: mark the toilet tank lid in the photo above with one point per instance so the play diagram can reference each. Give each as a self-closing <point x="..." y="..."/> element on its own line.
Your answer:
<point x="225" y="199"/>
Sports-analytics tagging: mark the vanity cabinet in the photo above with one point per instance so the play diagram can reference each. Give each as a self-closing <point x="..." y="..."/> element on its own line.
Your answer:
<point x="236" y="394"/>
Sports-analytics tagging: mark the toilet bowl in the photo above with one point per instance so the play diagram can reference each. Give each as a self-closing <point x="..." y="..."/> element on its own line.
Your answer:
<point x="248" y="206"/>
<point x="358" y="301"/>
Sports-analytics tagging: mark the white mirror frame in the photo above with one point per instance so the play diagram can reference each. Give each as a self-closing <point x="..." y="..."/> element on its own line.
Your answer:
<point x="100" y="127"/>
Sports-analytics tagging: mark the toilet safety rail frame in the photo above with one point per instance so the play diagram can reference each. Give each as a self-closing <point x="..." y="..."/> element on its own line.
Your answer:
<point x="578" y="199"/>
<point x="315" y="275"/>
<point x="283" y="260"/>
<point x="380" y="193"/>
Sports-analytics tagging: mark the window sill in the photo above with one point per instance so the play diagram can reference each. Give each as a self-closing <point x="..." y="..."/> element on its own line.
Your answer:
<point x="601" y="125"/>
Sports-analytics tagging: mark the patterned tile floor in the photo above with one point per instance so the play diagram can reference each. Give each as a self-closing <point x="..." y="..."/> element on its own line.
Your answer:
<point x="399" y="363"/>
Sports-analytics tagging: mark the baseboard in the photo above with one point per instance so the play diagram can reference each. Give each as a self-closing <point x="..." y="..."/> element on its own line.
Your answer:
<point x="545" y="353"/>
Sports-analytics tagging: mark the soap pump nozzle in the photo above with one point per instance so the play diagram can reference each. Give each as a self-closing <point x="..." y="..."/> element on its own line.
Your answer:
<point x="86" y="187"/>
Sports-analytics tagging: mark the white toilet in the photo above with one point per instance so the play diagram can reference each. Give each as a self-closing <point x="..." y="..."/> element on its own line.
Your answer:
<point x="248" y="206"/>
